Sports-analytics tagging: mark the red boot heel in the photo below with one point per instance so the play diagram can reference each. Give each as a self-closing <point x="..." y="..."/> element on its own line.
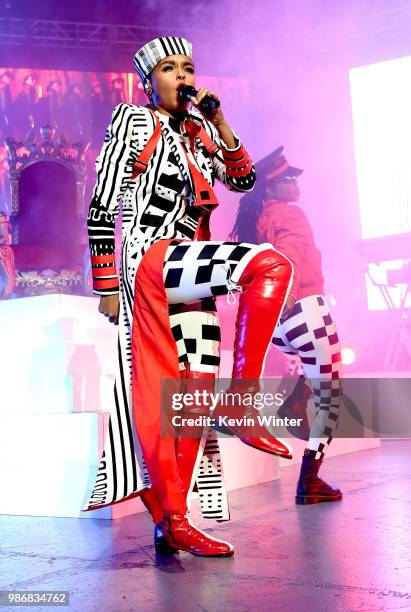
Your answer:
<point x="161" y="544"/>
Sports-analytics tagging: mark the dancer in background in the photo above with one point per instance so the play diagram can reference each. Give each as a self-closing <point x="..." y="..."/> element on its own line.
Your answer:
<point x="100" y="112"/>
<point x="6" y="78"/>
<point x="25" y="106"/>
<point x="49" y="107"/>
<point x="269" y="214"/>
<point x="160" y="162"/>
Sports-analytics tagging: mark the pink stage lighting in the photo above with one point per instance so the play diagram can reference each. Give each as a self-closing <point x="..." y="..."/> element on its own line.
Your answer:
<point x="381" y="102"/>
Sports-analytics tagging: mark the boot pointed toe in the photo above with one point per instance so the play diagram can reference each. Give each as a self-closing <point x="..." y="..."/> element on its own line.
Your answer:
<point x="271" y="445"/>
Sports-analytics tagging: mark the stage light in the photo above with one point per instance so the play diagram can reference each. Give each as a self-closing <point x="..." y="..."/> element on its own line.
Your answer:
<point x="348" y="356"/>
<point x="381" y="99"/>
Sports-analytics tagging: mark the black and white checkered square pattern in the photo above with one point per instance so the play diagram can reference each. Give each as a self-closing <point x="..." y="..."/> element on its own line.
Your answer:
<point x="309" y="331"/>
<point x="197" y="270"/>
<point x="197" y="336"/>
<point x="194" y="273"/>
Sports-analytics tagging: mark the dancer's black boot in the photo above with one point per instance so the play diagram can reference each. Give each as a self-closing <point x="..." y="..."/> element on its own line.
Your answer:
<point x="310" y="488"/>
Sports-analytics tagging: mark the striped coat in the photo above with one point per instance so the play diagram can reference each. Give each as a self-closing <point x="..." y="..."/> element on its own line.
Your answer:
<point x="156" y="205"/>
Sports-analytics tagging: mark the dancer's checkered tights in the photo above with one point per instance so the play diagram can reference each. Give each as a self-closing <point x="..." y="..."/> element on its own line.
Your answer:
<point x="309" y="331"/>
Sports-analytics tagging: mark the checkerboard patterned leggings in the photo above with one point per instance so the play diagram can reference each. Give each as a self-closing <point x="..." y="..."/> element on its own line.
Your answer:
<point x="309" y="331"/>
<point x="194" y="273"/>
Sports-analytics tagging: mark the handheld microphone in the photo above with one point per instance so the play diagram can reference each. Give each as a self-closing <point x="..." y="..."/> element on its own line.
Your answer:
<point x="208" y="104"/>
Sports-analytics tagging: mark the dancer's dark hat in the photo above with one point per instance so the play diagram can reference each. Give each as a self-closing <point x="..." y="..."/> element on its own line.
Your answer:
<point x="274" y="166"/>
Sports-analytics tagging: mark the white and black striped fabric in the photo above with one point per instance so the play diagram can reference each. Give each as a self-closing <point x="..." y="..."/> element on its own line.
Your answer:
<point x="147" y="58"/>
<point x="156" y="205"/>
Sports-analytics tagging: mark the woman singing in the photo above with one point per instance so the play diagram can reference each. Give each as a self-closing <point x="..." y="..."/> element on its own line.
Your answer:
<point x="160" y="162"/>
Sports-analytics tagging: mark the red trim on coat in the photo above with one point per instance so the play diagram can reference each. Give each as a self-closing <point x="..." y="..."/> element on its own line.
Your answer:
<point x="104" y="271"/>
<point x="233" y="156"/>
<point x="151" y="332"/>
<point x="102" y="259"/>
<point x="106" y="283"/>
<point x="237" y="173"/>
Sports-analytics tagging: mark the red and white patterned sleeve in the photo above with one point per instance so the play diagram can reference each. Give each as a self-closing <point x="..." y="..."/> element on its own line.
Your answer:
<point x="114" y="167"/>
<point x="233" y="167"/>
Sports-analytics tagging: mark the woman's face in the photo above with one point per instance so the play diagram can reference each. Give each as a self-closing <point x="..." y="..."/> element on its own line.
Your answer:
<point x="285" y="191"/>
<point x="167" y="77"/>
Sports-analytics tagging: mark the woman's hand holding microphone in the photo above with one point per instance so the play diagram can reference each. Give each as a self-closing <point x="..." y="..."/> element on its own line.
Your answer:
<point x="216" y="117"/>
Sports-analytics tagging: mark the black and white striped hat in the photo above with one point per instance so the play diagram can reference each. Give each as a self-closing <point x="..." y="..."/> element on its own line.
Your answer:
<point x="147" y="58"/>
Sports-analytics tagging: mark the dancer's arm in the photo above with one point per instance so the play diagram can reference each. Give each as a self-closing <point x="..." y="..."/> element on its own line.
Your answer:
<point x="232" y="165"/>
<point x="114" y="167"/>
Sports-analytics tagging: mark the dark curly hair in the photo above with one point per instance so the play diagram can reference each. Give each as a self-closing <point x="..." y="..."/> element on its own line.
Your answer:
<point x="249" y="209"/>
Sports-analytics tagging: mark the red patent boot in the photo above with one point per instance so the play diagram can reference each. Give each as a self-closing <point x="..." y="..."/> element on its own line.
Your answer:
<point x="179" y="534"/>
<point x="265" y="283"/>
<point x="150" y="500"/>
<point x="184" y="535"/>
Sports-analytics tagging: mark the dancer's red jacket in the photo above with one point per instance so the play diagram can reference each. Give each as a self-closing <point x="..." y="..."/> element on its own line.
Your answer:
<point x="287" y="228"/>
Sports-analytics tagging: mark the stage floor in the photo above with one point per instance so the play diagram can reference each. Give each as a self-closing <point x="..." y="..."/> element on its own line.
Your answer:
<point x="349" y="555"/>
